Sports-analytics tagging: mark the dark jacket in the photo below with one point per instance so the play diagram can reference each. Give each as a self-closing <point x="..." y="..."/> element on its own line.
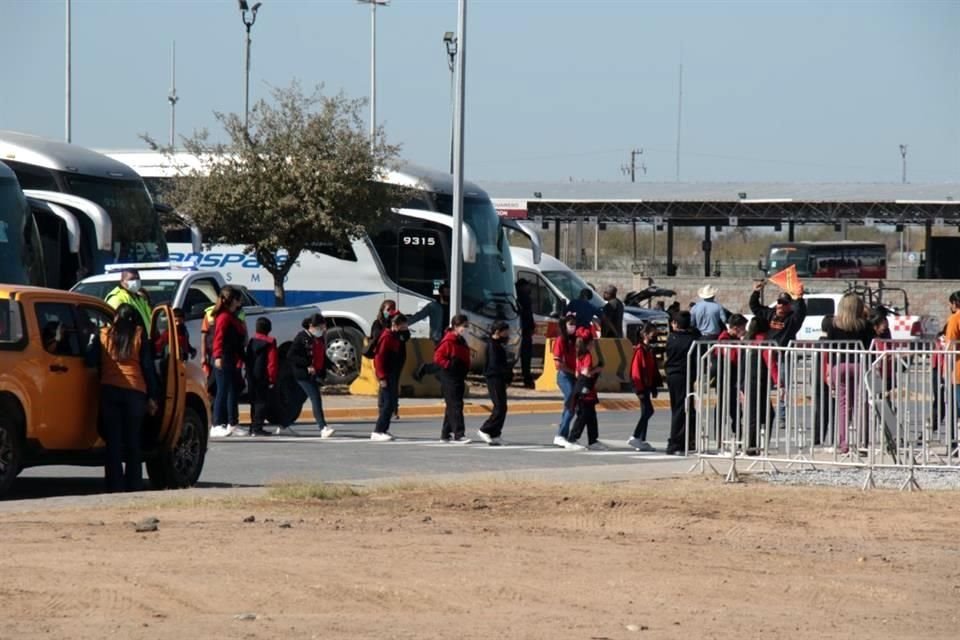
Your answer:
<point x="300" y="356"/>
<point x="496" y="365"/>
<point x="864" y="335"/>
<point x="782" y="330"/>
<point x="453" y="355"/>
<point x="528" y="323"/>
<point x="678" y="345"/>
<point x="612" y="326"/>
<point x="262" y="361"/>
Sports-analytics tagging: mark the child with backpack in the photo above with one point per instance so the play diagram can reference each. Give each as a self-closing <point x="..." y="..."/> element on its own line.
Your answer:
<point x="263" y="364"/>
<point x="645" y="375"/>
<point x="584" y="397"/>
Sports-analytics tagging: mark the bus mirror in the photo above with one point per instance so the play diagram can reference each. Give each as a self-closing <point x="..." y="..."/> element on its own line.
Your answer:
<point x="534" y="238"/>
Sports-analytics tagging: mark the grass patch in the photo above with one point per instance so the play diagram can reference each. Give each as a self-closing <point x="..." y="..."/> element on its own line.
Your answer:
<point x="312" y="491"/>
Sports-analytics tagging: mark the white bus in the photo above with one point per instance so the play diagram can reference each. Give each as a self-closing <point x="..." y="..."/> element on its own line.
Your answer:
<point x="406" y="258"/>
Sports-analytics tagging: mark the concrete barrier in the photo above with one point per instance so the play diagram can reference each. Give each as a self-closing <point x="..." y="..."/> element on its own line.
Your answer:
<point x="419" y="351"/>
<point x="548" y="379"/>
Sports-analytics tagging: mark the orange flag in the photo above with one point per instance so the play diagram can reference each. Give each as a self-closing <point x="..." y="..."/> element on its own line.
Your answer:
<point x="788" y="280"/>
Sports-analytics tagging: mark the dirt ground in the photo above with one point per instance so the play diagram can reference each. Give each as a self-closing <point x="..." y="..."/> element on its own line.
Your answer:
<point x="688" y="558"/>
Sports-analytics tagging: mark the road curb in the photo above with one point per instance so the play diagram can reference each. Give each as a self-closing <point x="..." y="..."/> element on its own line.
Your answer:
<point x="515" y="407"/>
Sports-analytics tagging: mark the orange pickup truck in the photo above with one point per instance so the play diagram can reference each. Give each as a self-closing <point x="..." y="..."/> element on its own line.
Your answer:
<point x="49" y="398"/>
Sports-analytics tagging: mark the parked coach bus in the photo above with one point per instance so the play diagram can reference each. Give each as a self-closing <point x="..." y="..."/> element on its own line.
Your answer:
<point x="21" y="256"/>
<point x="831" y="259"/>
<point x="405" y="259"/>
<point x="91" y="211"/>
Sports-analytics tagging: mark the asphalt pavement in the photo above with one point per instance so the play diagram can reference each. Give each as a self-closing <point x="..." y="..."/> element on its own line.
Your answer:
<point x="350" y="456"/>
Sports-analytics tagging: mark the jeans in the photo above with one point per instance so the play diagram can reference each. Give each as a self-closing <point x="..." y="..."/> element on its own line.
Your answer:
<point x="386" y="400"/>
<point x="493" y="426"/>
<point x="122" y="412"/>
<point x="565" y="381"/>
<point x="847" y="384"/>
<point x="225" y="407"/>
<point x="646" y="412"/>
<point x="312" y="390"/>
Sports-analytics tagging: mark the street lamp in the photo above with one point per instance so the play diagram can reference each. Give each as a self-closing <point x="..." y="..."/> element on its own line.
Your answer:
<point x="244" y="8"/>
<point x="450" y="40"/>
<point x="373" y="63"/>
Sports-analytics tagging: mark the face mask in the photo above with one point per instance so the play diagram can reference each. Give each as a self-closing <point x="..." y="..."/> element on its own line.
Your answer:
<point x="317" y="333"/>
<point x="133" y="286"/>
<point x="386" y="313"/>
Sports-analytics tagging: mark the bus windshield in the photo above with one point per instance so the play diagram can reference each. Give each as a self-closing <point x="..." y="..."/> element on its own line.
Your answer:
<point x="14" y="257"/>
<point x="488" y="282"/>
<point x="137" y="235"/>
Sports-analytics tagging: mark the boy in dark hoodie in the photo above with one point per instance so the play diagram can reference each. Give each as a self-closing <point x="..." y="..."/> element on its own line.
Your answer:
<point x="497" y="373"/>
<point x="683" y="415"/>
<point x="263" y="364"/>
<point x="453" y="357"/>
<point x="388" y="358"/>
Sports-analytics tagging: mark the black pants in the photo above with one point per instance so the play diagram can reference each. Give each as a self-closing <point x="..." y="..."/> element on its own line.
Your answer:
<point x="259" y="402"/>
<point x="121" y="415"/>
<point x="498" y="396"/>
<point x="453" y="389"/>
<point x="683" y="416"/>
<point x="526" y="355"/>
<point x="387" y="400"/>
<point x="824" y="407"/>
<point x="646" y="412"/>
<point x="586" y="417"/>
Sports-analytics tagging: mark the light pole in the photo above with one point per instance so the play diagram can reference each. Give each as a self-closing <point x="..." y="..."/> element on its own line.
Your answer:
<point x="373" y="63"/>
<point x="246" y="85"/>
<point x="456" y="267"/>
<point x="450" y="40"/>
<point x="67" y="131"/>
<point x="172" y="97"/>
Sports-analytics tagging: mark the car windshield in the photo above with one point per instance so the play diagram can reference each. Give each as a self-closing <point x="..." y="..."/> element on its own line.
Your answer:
<point x="488" y="282"/>
<point x="14" y="262"/>
<point x="137" y="236"/>
<point x="159" y="291"/>
<point x="570" y="285"/>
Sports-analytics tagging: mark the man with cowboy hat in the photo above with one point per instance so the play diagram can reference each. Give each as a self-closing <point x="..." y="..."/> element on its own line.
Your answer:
<point x="708" y="316"/>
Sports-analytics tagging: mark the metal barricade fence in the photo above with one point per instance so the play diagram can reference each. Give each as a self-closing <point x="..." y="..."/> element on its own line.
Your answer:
<point x="825" y="403"/>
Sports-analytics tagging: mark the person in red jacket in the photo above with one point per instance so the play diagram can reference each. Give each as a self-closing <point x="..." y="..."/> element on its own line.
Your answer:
<point x="229" y="340"/>
<point x="584" y="397"/>
<point x="162" y="341"/>
<point x="388" y="358"/>
<point x="263" y="365"/>
<point x="645" y="375"/>
<point x="453" y="357"/>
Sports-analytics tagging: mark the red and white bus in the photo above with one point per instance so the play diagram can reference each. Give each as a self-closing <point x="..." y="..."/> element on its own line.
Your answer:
<point x="830" y="259"/>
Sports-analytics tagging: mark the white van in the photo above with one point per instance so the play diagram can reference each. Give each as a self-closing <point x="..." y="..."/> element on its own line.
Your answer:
<point x="553" y="285"/>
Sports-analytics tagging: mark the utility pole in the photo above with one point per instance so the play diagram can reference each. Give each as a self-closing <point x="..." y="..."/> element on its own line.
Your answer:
<point x="679" y="118"/>
<point x="172" y="97"/>
<point x="631" y="169"/>
<point x="903" y="157"/>
<point x="456" y="258"/>
<point x="67" y="124"/>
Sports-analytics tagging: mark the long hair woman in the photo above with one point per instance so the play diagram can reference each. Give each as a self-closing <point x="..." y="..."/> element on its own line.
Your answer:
<point x="128" y="392"/>
<point x="453" y="358"/>
<point x="849" y="324"/>
<point x="229" y="342"/>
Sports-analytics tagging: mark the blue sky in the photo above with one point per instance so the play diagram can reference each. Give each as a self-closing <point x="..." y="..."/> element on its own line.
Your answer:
<point x="773" y="91"/>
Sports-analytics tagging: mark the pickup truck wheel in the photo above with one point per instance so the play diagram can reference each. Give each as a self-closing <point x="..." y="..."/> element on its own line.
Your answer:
<point x="11" y="452"/>
<point x="344" y="346"/>
<point x="180" y="467"/>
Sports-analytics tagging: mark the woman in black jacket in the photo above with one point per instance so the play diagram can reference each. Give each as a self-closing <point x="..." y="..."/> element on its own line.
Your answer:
<point x="497" y="372"/>
<point x="307" y="356"/>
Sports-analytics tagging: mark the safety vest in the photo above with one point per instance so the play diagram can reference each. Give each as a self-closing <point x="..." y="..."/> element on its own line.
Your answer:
<point x="121" y="296"/>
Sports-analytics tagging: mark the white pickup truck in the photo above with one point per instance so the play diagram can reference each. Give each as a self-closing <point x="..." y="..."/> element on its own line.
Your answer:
<point x="195" y="290"/>
<point x="902" y="326"/>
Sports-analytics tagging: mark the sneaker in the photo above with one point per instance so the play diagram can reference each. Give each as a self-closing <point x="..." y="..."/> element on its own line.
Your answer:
<point x="635" y="443"/>
<point x="573" y="446"/>
<point x="495" y="442"/>
<point x="285" y="431"/>
<point x="240" y="432"/>
<point x="461" y="440"/>
<point x="560" y="441"/>
<point x="486" y="437"/>
<point x="327" y="432"/>
<point x="646" y="447"/>
<point x="381" y="437"/>
<point x="259" y="432"/>
<point x="219" y="431"/>
<point x="598" y="446"/>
